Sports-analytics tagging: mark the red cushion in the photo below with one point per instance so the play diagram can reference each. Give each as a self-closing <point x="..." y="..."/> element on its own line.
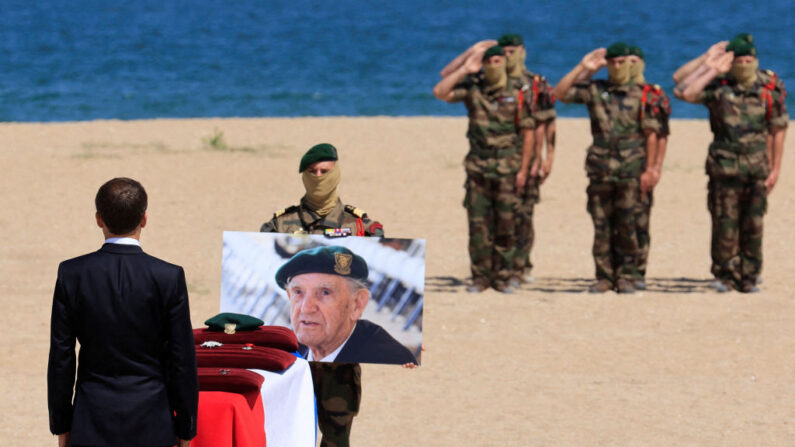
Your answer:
<point x="244" y="356"/>
<point x="278" y="337"/>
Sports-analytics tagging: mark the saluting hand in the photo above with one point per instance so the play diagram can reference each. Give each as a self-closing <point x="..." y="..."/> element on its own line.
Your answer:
<point x="475" y="61"/>
<point x="718" y="48"/>
<point x="721" y="62"/>
<point x="594" y="60"/>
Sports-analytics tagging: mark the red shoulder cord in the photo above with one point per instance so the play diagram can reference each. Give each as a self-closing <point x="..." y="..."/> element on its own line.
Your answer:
<point x="643" y="99"/>
<point x="359" y="227"/>
<point x="767" y="96"/>
<point x="519" y="108"/>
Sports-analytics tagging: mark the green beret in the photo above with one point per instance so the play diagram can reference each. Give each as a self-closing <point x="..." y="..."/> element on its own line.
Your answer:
<point x="231" y="322"/>
<point x="510" y="40"/>
<point x="318" y="152"/>
<point x="617" y="49"/>
<point x="741" y="47"/>
<point x="744" y="36"/>
<point x="496" y="50"/>
<point x="635" y="51"/>
<point x="332" y="260"/>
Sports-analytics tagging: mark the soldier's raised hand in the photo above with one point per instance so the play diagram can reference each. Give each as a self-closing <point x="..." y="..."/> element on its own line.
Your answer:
<point x="720" y="62"/>
<point x="483" y="45"/>
<point x="718" y="48"/>
<point x="475" y="61"/>
<point x="594" y="60"/>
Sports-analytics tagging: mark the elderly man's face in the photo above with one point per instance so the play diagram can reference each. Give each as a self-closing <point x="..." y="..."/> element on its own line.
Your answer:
<point x="324" y="310"/>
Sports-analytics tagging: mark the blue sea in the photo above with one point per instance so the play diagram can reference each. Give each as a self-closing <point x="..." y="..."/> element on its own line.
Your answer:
<point x="65" y="61"/>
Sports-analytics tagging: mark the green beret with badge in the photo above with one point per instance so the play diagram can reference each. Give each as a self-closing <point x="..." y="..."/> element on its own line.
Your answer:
<point x="496" y="50"/>
<point x="318" y="152"/>
<point x="331" y="260"/>
<point x="744" y="36"/>
<point x="742" y="46"/>
<point x="232" y="322"/>
<point x="636" y="51"/>
<point x="510" y="40"/>
<point x="617" y="49"/>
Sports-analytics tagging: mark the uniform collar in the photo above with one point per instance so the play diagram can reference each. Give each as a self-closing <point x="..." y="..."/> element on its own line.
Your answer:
<point x="311" y="219"/>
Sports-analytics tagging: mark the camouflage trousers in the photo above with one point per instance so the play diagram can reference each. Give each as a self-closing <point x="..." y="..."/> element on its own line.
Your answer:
<point x="738" y="208"/>
<point x="491" y="205"/>
<point x="338" y="392"/>
<point x="713" y="243"/>
<point x="525" y="233"/>
<point x="642" y="225"/>
<point x="612" y="205"/>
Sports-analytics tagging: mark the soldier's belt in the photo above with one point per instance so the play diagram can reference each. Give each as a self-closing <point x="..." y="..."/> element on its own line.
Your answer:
<point x="738" y="148"/>
<point x="496" y="153"/>
<point x="616" y="144"/>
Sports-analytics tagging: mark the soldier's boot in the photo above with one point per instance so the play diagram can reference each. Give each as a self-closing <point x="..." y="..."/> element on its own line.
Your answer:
<point x="750" y="286"/>
<point x="600" y="286"/>
<point x="625" y="286"/>
<point x="724" y="286"/>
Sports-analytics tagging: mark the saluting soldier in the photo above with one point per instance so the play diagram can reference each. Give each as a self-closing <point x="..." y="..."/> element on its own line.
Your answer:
<point x="538" y="99"/>
<point x="619" y="163"/>
<point x="748" y="117"/>
<point x="338" y="388"/>
<point x="655" y="97"/>
<point x="497" y="165"/>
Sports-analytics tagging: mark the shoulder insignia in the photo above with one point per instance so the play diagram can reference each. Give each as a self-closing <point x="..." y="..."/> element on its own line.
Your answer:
<point x="355" y="211"/>
<point x="657" y="87"/>
<point x="284" y="211"/>
<point x="769" y="72"/>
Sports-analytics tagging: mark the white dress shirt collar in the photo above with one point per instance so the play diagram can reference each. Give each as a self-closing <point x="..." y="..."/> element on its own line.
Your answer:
<point x="123" y="241"/>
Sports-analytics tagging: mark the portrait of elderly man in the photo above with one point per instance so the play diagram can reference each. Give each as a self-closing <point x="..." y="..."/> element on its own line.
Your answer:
<point x="327" y="293"/>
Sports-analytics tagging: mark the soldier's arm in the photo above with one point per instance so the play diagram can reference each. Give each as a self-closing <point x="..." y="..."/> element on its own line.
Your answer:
<point x="716" y="65"/>
<point x="546" y="168"/>
<point x="445" y="89"/>
<point x="687" y="69"/>
<point x="589" y="65"/>
<point x="456" y="63"/>
<point x="538" y="152"/>
<point x="528" y="148"/>
<point x="777" y="142"/>
<point x="269" y="226"/>
<point x="649" y="177"/>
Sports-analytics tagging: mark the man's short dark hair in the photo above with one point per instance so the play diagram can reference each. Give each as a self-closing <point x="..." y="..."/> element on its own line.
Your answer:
<point x="121" y="203"/>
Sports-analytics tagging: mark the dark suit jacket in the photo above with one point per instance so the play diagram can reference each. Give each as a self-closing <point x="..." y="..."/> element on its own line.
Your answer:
<point x="370" y="343"/>
<point x="137" y="364"/>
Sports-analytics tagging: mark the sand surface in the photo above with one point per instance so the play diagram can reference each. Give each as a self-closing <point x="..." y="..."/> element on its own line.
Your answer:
<point x="675" y="365"/>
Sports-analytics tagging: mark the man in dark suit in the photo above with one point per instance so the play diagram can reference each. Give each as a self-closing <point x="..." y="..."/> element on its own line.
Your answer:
<point x="327" y="297"/>
<point x="136" y="374"/>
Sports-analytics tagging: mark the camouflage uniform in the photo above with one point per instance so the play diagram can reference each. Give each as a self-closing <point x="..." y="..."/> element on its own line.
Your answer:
<point x="661" y="106"/>
<point x="300" y="219"/>
<point x="614" y="163"/>
<point x="494" y="158"/>
<point x="737" y="165"/>
<point x="338" y="386"/>
<point x="538" y="100"/>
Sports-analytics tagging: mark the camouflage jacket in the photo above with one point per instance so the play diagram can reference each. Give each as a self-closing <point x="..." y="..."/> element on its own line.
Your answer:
<point x="741" y="119"/>
<point x="347" y="220"/>
<point x="618" y="121"/>
<point x="495" y="127"/>
<point x="538" y="97"/>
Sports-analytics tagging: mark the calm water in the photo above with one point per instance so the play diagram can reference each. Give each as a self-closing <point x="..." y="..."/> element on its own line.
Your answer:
<point x="199" y="58"/>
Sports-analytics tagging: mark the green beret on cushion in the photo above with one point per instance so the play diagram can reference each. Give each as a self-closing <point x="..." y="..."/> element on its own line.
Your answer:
<point x="331" y="260"/>
<point x="617" y="49"/>
<point x="741" y="47"/>
<point x="496" y="50"/>
<point x="510" y="40"/>
<point x="635" y="51"/>
<point x="222" y="322"/>
<point x="318" y="152"/>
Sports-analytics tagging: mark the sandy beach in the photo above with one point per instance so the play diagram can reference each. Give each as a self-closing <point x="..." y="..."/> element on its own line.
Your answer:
<point x="551" y="365"/>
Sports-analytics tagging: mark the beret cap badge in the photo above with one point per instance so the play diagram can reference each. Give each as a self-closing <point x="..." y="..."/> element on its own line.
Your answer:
<point x="342" y="263"/>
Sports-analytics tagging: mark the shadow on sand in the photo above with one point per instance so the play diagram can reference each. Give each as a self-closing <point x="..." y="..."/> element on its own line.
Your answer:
<point x="451" y="284"/>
